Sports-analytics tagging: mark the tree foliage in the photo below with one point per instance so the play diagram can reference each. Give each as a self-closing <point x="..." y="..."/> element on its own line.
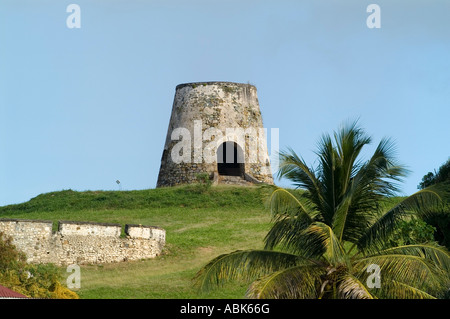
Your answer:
<point x="440" y="182"/>
<point x="442" y="175"/>
<point x="325" y="238"/>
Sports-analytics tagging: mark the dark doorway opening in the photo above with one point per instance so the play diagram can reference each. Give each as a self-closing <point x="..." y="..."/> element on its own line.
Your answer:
<point x="230" y="159"/>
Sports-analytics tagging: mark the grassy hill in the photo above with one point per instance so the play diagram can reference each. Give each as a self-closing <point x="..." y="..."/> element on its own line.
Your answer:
<point x="200" y="225"/>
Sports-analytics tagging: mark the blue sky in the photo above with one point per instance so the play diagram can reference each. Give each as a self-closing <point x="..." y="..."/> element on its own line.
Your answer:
<point x="81" y="108"/>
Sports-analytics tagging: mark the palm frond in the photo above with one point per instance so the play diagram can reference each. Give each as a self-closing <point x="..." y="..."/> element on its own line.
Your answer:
<point x="369" y="184"/>
<point x="341" y="216"/>
<point x="351" y="288"/>
<point x="299" y="282"/>
<point x="286" y="233"/>
<point x="244" y="265"/>
<point x="400" y="290"/>
<point x="320" y="237"/>
<point x="418" y="272"/>
<point x="420" y="204"/>
<point x="290" y="217"/>
<point x="305" y="239"/>
<point x="295" y="169"/>
<point x="438" y="255"/>
<point x="283" y="202"/>
<point x="349" y="142"/>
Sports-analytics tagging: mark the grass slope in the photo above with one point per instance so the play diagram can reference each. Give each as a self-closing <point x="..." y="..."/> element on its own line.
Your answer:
<point x="200" y="225"/>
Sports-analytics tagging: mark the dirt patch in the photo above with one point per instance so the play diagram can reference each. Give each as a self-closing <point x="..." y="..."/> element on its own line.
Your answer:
<point x="194" y="226"/>
<point x="206" y="250"/>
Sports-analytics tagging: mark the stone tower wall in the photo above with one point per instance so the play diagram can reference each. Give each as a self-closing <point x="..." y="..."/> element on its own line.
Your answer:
<point x="202" y="109"/>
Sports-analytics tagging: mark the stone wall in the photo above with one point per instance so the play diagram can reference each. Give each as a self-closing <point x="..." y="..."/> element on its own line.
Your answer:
<point x="83" y="242"/>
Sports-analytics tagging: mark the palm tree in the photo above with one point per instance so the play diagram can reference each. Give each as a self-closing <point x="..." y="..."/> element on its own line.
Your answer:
<point x="330" y="235"/>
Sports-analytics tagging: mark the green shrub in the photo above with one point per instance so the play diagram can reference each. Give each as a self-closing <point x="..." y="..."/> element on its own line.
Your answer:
<point x="203" y="183"/>
<point x="414" y="231"/>
<point x="32" y="280"/>
<point x="10" y="257"/>
<point x="441" y="222"/>
<point x="440" y="219"/>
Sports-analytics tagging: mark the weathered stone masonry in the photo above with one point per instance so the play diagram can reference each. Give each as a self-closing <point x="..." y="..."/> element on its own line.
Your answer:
<point x="83" y="242"/>
<point x="216" y="106"/>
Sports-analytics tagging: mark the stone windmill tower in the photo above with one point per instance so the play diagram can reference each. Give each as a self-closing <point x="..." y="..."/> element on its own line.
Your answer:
<point x="215" y="128"/>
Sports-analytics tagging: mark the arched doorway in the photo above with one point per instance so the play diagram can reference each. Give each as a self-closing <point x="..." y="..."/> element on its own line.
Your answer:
<point x="230" y="159"/>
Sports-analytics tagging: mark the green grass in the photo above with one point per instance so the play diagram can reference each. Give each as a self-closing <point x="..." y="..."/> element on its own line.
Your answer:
<point x="200" y="225"/>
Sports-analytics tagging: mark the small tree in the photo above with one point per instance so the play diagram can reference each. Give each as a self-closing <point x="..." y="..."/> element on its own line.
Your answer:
<point x="10" y="257"/>
<point x="36" y="281"/>
<point x="442" y="175"/>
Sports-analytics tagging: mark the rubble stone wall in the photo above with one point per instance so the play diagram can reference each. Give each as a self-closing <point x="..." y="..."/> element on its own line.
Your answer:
<point x="83" y="242"/>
